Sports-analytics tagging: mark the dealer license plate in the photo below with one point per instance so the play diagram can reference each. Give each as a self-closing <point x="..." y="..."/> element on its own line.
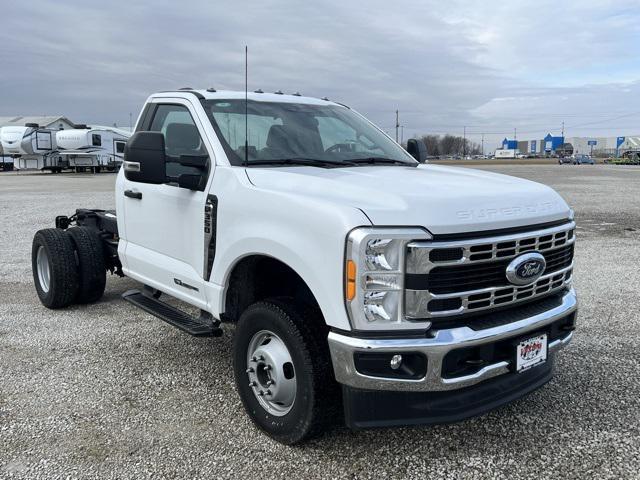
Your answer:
<point x="531" y="352"/>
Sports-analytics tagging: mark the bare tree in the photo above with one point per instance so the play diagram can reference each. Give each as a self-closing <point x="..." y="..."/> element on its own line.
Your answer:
<point x="432" y="143"/>
<point x="449" y="145"/>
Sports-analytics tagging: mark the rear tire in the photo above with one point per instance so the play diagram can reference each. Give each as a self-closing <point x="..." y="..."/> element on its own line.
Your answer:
<point x="286" y="418"/>
<point x="54" y="268"/>
<point x="92" y="271"/>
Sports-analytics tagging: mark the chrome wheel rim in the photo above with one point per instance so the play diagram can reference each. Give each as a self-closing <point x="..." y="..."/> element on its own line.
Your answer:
<point x="44" y="272"/>
<point x="270" y="372"/>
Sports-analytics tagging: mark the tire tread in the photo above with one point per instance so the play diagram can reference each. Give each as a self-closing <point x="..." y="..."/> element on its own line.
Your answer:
<point x="64" y="276"/>
<point x="91" y="264"/>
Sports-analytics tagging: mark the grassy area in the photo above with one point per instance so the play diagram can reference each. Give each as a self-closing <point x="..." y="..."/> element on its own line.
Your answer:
<point x="622" y="161"/>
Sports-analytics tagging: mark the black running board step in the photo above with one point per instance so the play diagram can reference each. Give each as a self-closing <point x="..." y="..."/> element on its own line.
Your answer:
<point x="171" y="315"/>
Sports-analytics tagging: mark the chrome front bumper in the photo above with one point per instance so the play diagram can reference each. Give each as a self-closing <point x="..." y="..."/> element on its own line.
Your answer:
<point x="436" y="347"/>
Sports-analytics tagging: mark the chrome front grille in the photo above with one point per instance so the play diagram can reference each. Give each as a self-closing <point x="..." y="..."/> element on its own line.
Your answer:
<point x="450" y="278"/>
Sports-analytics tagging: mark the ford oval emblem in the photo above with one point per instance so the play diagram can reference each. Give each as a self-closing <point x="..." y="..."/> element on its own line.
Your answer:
<point x="526" y="269"/>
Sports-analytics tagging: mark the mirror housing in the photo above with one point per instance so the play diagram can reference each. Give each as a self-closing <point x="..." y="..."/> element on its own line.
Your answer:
<point x="145" y="158"/>
<point x="417" y="149"/>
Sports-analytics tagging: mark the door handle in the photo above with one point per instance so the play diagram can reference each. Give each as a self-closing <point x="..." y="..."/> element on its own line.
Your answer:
<point x="132" y="194"/>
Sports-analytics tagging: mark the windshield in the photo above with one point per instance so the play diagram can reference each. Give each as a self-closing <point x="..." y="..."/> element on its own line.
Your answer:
<point x="299" y="133"/>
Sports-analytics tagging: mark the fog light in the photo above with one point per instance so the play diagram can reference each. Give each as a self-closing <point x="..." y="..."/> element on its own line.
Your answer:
<point x="408" y="366"/>
<point x="396" y="361"/>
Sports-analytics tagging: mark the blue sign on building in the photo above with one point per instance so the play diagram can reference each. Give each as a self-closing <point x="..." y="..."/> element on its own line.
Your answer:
<point x="592" y="142"/>
<point x="619" y="141"/>
<point x="534" y="144"/>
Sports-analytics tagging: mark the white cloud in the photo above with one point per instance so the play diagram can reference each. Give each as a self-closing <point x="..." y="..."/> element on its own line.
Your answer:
<point x="491" y="65"/>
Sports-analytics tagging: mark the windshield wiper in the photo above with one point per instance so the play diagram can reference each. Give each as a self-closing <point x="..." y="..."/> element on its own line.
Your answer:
<point x="313" y="162"/>
<point x="381" y="160"/>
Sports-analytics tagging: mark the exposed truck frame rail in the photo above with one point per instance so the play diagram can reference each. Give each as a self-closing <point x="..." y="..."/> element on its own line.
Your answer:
<point x="104" y="223"/>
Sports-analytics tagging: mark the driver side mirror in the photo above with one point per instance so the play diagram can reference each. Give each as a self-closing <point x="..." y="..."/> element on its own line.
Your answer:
<point x="145" y="158"/>
<point x="417" y="149"/>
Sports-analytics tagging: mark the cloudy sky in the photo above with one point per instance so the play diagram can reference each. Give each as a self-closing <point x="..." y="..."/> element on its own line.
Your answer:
<point x="491" y="66"/>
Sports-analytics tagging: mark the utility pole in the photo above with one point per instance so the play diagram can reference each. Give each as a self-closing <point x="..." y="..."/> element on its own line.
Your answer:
<point x="482" y="141"/>
<point x="397" y="125"/>
<point x="562" y="132"/>
<point x="464" y="142"/>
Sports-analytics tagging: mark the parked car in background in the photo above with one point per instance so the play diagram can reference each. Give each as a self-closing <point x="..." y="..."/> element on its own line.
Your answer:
<point x="563" y="160"/>
<point x="580" y="159"/>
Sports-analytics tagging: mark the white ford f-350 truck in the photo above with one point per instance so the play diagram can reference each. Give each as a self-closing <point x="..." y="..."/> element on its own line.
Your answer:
<point x="363" y="283"/>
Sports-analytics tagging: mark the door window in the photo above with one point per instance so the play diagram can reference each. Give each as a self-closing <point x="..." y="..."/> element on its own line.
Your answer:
<point x="181" y="137"/>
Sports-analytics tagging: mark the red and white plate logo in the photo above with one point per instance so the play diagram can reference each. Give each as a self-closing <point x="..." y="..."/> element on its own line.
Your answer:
<point x="531" y="352"/>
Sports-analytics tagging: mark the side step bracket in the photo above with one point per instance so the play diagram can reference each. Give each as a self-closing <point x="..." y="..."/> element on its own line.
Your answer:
<point x="204" y="326"/>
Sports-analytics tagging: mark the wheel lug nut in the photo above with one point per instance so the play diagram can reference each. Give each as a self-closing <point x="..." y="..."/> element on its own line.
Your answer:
<point x="254" y="359"/>
<point x="270" y="382"/>
<point x="252" y="384"/>
<point x="250" y="370"/>
<point x="268" y="392"/>
<point x="261" y="393"/>
<point x="267" y="367"/>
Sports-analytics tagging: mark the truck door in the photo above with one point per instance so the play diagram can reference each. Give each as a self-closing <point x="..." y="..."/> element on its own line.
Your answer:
<point x="164" y="245"/>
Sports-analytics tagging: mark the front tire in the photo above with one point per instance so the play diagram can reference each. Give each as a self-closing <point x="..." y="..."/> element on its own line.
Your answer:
<point x="54" y="268"/>
<point x="283" y="371"/>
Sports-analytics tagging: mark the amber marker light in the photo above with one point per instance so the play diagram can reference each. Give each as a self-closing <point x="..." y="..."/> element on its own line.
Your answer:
<point x="351" y="280"/>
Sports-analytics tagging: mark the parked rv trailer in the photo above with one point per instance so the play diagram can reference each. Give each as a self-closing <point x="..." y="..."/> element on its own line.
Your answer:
<point x="30" y="146"/>
<point x="94" y="148"/>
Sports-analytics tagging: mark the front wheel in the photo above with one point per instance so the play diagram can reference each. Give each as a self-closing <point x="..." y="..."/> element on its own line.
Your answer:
<point x="283" y="371"/>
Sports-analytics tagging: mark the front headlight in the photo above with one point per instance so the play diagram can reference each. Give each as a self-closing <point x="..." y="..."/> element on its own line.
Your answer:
<point x="374" y="277"/>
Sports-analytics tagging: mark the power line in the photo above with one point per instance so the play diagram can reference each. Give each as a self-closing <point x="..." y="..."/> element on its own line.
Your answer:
<point x="531" y="127"/>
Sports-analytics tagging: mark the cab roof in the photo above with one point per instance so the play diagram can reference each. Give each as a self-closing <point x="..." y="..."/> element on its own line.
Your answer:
<point x="258" y="96"/>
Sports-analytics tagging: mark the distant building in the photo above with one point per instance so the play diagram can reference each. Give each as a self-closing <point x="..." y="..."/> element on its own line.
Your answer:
<point x="45" y="121"/>
<point x="551" y="145"/>
<point x="509" y="144"/>
<point x="628" y="145"/>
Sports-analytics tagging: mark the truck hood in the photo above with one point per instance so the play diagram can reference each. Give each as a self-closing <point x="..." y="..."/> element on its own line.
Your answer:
<point x="441" y="199"/>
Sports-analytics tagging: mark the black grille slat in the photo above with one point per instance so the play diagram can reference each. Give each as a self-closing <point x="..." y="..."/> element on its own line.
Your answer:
<point x="445" y="254"/>
<point x="445" y="304"/>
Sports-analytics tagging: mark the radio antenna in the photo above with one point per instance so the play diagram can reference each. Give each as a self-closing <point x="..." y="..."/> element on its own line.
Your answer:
<point x="246" y="108"/>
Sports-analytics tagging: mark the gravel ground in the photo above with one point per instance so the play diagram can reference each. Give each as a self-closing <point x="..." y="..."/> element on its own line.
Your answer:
<point x="107" y="391"/>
